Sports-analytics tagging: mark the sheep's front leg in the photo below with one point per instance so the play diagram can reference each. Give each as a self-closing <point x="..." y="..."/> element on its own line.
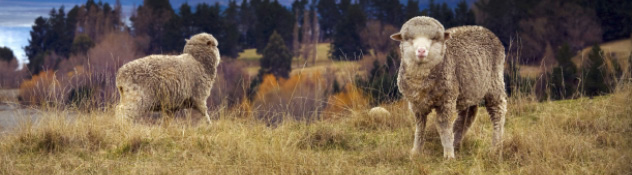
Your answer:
<point x="421" y="116"/>
<point x="445" y="114"/>
<point x="462" y="124"/>
<point x="131" y="107"/>
<point x="200" y="106"/>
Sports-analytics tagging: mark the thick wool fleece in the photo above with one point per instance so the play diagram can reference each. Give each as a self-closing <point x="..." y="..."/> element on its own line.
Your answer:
<point x="463" y="68"/>
<point x="169" y="83"/>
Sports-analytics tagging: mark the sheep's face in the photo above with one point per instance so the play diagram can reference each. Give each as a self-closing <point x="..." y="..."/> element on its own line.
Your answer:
<point x="422" y="41"/>
<point x="203" y="43"/>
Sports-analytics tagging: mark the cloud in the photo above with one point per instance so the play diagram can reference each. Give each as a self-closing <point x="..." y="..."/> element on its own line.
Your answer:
<point x="15" y="38"/>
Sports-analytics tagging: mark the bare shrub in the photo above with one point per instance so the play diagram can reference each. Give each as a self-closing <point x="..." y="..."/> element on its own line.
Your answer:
<point x="88" y="80"/>
<point x="340" y="104"/>
<point x="10" y="77"/>
<point x="231" y="84"/>
<point x="43" y="88"/>
<point x="374" y="34"/>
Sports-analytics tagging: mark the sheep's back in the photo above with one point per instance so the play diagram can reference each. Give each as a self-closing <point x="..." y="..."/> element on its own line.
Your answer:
<point x="479" y="57"/>
<point x="167" y="79"/>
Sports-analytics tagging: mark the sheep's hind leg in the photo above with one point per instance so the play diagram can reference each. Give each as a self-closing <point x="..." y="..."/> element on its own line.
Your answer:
<point x="497" y="108"/>
<point x="462" y="124"/>
<point x="445" y="115"/>
<point x="420" y="121"/>
<point x="200" y="106"/>
<point x="129" y="110"/>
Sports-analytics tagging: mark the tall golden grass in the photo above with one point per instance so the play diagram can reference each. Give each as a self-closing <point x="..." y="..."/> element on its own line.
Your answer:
<point x="580" y="136"/>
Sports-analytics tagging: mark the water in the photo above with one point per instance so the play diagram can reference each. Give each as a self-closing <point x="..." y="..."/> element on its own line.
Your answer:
<point x="12" y="115"/>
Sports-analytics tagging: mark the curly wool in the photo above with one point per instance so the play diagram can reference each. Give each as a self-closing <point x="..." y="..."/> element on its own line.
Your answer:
<point x="469" y="69"/>
<point x="169" y="83"/>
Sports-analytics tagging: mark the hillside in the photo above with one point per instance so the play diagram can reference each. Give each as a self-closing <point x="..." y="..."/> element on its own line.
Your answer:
<point x="582" y="136"/>
<point x="620" y="49"/>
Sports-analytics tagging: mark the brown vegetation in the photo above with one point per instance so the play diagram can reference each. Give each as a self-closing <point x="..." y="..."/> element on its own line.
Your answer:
<point x="582" y="136"/>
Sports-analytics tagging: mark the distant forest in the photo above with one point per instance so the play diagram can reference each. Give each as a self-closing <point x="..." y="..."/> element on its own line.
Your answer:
<point x="157" y="28"/>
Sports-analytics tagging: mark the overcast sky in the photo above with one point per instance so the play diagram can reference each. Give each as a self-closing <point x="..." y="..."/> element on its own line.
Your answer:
<point x="17" y="16"/>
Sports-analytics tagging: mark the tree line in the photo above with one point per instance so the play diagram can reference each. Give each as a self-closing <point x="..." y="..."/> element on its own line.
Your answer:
<point x="540" y="28"/>
<point x="249" y="24"/>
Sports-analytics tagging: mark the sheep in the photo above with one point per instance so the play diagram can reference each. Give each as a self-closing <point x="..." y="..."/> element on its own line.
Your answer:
<point x="169" y="83"/>
<point x="451" y="71"/>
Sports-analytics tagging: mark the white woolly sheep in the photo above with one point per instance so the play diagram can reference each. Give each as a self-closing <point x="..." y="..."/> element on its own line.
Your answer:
<point x="169" y="83"/>
<point x="451" y="71"/>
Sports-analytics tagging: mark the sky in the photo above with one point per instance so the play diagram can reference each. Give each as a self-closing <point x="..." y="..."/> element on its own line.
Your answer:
<point x="17" y="16"/>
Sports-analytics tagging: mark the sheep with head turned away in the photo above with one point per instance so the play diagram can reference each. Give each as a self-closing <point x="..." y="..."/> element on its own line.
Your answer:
<point x="451" y="71"/>
<point x="169" y="82"/>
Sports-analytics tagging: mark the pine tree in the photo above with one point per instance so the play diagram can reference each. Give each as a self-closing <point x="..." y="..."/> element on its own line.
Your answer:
<point x="81" y="44"/>
<point x="388" y="11"/>
<point x="38" y="44"/>
<point x="347" y="44"/>
<point x="564" y="76"/>
<point x="277" y="58"/>
<point x="329" y="17"/>
<point x="298" y="6"/>
<point x="594" y="82"/>
<point x="272" y="16"/>
<point x="246" y="29"/>
<point x="230" y="33"/>
<point x="412" y="10"/>
<point x="6" y="54"/>
<point x="447" y="17"/>
<point x="172" y="38"/>
<point x="149" y="21"/>
<point x="463" y="15"/>
<point x="208" y="18"/>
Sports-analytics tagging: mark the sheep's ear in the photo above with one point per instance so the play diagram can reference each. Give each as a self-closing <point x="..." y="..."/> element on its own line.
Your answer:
<point x="447" y="36"/>
<point x="397" y="36"/>
<point x="186" y="40"/>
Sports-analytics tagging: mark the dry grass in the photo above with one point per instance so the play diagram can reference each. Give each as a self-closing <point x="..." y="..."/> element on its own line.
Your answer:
<point x="620" y="50"/>
<point x="249" y="54"/>
<point x="9" y="95"/>
<point x="582" y="136"/>
<point x="532" y="72"/>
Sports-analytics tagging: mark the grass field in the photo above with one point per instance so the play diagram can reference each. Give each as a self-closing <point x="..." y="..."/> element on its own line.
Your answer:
<point x="582" y="136"/>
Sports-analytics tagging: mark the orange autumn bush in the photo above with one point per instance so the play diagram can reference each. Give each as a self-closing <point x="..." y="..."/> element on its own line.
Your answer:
<point x="302" y="97"/>
<point x="340" y="104"/>
<point x="43" y="88"/>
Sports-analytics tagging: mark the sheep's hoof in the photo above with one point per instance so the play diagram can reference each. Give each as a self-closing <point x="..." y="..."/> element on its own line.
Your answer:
<point x="415" y="153"/>
<point x="448" y="155"/>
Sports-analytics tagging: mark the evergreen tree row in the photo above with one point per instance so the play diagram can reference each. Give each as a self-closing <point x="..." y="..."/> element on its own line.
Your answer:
<point x="57" y="33"/>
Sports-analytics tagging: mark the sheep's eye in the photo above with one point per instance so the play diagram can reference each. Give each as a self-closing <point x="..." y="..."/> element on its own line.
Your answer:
<point x="208" y="43"/>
